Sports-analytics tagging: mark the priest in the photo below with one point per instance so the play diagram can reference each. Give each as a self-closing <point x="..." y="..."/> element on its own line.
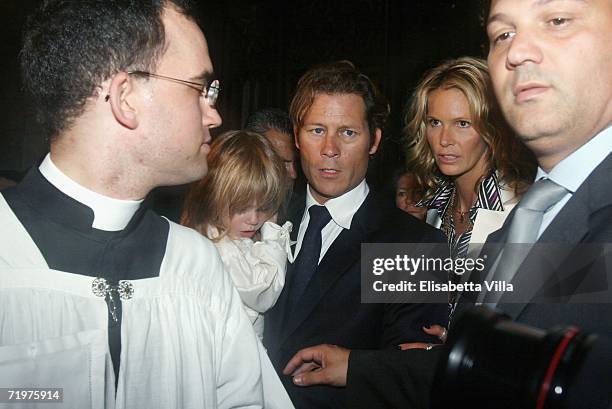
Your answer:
<point x="99" y="296"/>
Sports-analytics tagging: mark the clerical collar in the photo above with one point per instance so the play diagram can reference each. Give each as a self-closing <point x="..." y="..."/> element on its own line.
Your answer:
<point x="109" y="214"/>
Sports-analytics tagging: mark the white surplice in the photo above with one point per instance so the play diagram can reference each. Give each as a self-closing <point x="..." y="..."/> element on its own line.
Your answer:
<point x="185" y="340"/>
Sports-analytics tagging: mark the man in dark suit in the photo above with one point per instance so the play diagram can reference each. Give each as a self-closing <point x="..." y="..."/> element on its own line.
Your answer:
<point x="552" y="73"/>
<point x="559" y="101"/>
<point x="338" y="115"/>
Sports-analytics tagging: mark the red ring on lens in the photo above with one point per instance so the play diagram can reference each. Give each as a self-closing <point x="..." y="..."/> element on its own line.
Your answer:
<point x="554" y="363"/>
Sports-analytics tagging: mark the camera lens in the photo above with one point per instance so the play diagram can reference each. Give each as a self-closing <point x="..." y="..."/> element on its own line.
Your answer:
<point x="493" y="362"/>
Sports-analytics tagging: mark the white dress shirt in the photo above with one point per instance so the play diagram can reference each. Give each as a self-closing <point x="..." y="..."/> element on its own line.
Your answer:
<point x="342" y="209"/>
<point x="572" y="171"/>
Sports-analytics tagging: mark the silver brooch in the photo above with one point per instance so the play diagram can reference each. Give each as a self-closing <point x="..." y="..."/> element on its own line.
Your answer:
<point x="125" y="289"/>
<point x="101" y="288"/>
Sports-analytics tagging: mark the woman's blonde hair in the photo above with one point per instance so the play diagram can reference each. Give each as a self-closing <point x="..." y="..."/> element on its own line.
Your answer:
<point x="243" y="170"/>
<point x="506" y="153"/>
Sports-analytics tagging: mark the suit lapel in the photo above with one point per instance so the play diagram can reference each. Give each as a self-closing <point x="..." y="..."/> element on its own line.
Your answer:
<point x="344" y="252"/>
<point x="572" y="223"/>
<point x="570" y="226"/>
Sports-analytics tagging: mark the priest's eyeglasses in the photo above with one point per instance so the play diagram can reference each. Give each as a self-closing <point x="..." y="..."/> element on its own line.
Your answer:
<point x="210" y="91"/>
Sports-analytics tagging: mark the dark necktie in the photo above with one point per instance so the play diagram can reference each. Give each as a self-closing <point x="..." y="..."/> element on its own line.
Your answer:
<point x="307" y="260"/>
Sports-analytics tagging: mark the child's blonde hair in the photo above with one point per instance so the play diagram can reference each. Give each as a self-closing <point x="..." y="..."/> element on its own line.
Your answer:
<point x="243" y="170"/>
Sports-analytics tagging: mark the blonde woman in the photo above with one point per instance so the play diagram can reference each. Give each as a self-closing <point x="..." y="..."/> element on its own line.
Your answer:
<point x="464" y="153"/>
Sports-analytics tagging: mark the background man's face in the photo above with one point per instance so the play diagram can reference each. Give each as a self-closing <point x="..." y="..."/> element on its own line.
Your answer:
<point x="283" y="146"/>
<point x="175" y="138"/>
<point x="551" y="65"/>
<point x="334" y="144"/>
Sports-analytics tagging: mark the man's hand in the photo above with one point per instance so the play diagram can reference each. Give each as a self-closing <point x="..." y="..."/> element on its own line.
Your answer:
<point x="435" y="330"/>
<point x="319" y="365"/>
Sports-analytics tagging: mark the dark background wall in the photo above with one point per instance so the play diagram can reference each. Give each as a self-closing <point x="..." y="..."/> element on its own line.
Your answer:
<point x="260" y="48"/>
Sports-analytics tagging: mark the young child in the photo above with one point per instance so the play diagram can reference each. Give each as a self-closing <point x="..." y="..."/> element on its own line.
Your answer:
<point x="235" y="206"/>
<point x="408" y="194"/>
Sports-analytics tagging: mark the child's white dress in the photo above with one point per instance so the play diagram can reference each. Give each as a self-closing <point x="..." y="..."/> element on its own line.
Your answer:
<point x="257" y="268"/>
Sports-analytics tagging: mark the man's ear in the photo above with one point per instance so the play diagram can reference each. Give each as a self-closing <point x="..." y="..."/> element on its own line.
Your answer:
<point x="376" y="141"/>
<point x="295" y="137"/>
<point x="120" y="93"/>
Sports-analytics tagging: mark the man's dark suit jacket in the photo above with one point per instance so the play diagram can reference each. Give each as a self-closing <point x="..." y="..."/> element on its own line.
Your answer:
<point x="397" y="379"/>
<point x="331" y="311"/>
